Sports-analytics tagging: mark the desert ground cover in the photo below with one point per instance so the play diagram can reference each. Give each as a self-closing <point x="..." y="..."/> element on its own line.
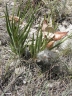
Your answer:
<point x="48" y="72"/>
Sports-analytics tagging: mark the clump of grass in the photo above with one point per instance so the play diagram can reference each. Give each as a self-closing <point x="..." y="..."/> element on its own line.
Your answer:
<point x="37" y="45"/>
<point x="17" y="37"/>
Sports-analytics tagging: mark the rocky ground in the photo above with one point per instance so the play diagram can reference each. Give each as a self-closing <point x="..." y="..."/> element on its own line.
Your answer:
<point x="31" y="78"/>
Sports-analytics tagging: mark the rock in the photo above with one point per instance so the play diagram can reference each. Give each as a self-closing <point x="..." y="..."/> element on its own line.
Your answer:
<point x="67" y="44"/>
<point x="47" y="56"/>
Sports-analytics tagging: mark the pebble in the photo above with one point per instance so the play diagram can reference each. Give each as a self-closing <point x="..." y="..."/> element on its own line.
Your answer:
<point x="47" y="56"/>
<point x="25" y="82"/>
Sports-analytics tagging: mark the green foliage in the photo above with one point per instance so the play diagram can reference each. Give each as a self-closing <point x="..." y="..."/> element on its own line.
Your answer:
<point x="37" y="45"/>
<point x="25" y="8"/>
<point x="17" y="37"/>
